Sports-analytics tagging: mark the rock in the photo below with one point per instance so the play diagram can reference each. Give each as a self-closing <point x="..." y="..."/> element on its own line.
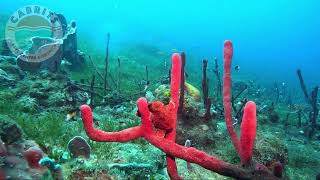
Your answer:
<point x="97" y="174"/>
<point x="15" y="161"/>
<point x="79" y="147"/>
<point x="28" y="104"/>
<point x="277" y="168"/>
<point x="56" y="100"/>
<point x="10" y="132"/>
<point x="28" y="66"/>
<point x="150" y="97"/>
<point x="38" y="95"/>
<point x="16" y="167"/>
<point x="5" y="50"/>
<point x="274" y="117"/>
<point x="3" y="149"/>
<point x="12" y="70"/>
<point x="133" y="168"/>
<point x="114" y="98"/>
<point x="5" y="78"/>
<point x="162" y="93"/>
<point x="269" y="150"/>
<point x="3" y="73"/>
<point x="204" y="127"/>
<point x="33" y="156"/>
<point x="9" y="59"/>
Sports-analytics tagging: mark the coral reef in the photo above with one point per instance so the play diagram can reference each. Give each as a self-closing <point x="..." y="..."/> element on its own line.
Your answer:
<point x="158" y="139"/>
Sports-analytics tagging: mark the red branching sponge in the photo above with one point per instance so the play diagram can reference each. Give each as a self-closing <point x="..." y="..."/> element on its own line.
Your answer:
<point x="101" y="136"/>
<point x="159" y="117"/>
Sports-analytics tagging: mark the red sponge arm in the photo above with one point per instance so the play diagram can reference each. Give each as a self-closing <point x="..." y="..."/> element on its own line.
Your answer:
<point x="228" y="52"/>
<point x="248" y="132"/>
<point x="175" y="78"/>
<point x="102" y="136"/>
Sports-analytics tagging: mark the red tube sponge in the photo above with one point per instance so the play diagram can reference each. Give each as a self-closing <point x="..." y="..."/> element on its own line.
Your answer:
<point x="248" y="133"/>
<point x="227" y="94"/>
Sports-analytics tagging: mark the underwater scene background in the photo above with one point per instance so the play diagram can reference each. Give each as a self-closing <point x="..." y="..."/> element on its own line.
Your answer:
<point x="62" y="61"/>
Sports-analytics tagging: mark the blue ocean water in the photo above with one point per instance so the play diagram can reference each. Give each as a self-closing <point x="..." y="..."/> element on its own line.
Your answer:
<point x="271" y="38"/>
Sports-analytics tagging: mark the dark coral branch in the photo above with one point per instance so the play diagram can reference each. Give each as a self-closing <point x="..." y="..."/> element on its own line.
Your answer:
<point x="303" y="86"/>
<point x="182" y="89"/>
<point x="217" y="73"/>
<point x="208" y="115"/>
<point x="92" y="89"/>
<point x="205" y="88"/>
<point x="315" y="110"/>
<point x="106" y="65"/>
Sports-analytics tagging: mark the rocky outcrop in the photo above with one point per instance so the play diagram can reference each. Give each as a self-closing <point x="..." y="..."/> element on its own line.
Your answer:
<point x="10" y="132"/>
<point x="18" y="157"/>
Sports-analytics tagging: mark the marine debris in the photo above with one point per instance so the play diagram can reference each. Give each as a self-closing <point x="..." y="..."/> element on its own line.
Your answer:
<point x="159" y="128"/>
<point x="182" y="83"/>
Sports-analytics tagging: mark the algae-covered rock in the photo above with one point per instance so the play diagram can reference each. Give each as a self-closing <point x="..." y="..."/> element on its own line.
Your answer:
<point x="162" y="93"/>
<point x="82" y="174"/>
<point x="5" y="79"/>
<point x="28" y="104"/>
<point x="56" y="100"/>
<point x="10" y="132"/>
<point x="269" y="150"/>
<point x="9" y="59"/>
<point x="192" y="91"/>
<point x="5" y="50"/>
<point x="137" y="161"/>
<point x="3" y="149"/>
<point x="12" y="69"/>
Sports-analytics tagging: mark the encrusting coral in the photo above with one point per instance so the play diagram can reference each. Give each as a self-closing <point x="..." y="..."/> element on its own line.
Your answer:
<point x="159" y="128"/>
